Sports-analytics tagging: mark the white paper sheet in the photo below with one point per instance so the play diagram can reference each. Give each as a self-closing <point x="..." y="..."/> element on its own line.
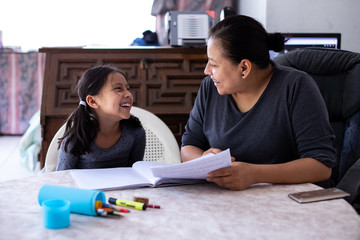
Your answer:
<point x="108" y="178"/>
<point x="194" y="169"/>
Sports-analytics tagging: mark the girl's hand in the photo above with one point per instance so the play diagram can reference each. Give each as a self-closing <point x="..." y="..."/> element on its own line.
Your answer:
<point x="237" y="177"/>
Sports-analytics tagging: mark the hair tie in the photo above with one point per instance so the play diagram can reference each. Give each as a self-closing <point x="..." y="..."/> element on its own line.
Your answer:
<point x="82" y="103"/>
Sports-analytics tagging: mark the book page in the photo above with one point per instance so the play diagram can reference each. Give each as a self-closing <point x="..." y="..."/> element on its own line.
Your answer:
<point x="109" y="178"/>
<point x="144" y="168"/>
<point x="194" y="169"/>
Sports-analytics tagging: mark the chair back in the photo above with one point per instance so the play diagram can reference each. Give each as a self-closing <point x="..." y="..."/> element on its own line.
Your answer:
<point x="53" y="152"/>
<point x="160" y="145"/>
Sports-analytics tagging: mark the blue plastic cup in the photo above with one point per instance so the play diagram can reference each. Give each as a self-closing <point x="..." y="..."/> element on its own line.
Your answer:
<point x="56" y="213"/>
<point x="82" y="200"/>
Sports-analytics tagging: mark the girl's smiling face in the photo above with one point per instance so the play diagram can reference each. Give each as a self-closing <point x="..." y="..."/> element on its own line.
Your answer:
<point x="115" y="99"/>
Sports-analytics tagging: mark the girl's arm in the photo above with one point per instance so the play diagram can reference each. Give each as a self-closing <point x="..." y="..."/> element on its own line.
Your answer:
<point x="66" y="160"/>
<point x="138" y="150"/>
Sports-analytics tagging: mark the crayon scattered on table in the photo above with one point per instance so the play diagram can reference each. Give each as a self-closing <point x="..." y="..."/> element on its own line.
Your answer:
<point x="126" y="203"/>
<point x="152" y="206"/>
<point x="141" y="199"/>
<point x="146" y="202"/>
<point x="103" y="209"/>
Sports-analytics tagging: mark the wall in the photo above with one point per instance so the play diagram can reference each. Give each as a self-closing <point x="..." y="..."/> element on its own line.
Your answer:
<point x="340" y="16"/>
<point x="32" y="24"/>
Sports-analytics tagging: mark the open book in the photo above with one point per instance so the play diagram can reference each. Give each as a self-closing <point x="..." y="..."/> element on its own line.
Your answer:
<point x="151" y="174"/>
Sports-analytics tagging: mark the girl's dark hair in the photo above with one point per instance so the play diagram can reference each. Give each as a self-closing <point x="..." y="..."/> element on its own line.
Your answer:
<point x="82" y="126"/>
<point x="242" y="37"/>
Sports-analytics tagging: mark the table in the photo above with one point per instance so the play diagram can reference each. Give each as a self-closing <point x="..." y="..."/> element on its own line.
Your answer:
<point x="203" y="211"/>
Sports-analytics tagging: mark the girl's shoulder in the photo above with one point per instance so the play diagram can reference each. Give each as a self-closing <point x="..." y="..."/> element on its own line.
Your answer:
<point x="132" y="122"/>
<point x="133" y="126"/>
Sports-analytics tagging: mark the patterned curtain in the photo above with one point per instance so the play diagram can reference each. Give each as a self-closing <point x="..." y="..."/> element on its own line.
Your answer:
<point x="21" y="81"/>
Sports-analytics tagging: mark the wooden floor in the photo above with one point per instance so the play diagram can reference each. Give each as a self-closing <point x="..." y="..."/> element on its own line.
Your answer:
<point x="11" y="164"/>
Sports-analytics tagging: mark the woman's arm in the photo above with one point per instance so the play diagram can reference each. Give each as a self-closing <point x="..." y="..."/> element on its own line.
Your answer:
<point x="241" y="175"/>
<point x="189" y="152"/>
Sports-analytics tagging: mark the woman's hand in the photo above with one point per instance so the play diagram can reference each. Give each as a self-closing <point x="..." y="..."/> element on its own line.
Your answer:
<point x="237" y="177"/>
<point x="215" y="151"/>
<point x="212" y="150"/>
<point x="241" y="175"/>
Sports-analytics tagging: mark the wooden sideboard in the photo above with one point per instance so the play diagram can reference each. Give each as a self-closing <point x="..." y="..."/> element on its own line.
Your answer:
<point x="163" y="80"/>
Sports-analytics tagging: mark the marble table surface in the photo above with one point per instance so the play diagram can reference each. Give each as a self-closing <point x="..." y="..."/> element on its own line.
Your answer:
<point x="202" y="211"/>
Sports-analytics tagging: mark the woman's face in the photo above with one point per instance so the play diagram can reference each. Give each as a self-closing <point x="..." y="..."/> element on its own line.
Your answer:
<point x="225" y="74"/>
<point x="114" y="100"/>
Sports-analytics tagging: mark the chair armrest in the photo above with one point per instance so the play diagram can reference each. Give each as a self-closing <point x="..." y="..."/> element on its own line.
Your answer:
<point x="350" y="183"/>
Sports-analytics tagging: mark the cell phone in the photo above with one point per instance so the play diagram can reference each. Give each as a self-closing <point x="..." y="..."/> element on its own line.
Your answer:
<point x="318" y="195"/>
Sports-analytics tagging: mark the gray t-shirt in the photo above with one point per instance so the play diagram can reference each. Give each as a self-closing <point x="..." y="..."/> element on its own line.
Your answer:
<point x="289" y="121"/>
<point x="129" y="149"/>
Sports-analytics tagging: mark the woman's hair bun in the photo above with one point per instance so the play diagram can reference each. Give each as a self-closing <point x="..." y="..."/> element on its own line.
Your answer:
<point x="275" y="42"/>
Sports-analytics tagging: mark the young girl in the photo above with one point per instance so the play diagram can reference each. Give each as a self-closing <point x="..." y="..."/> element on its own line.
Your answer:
<point x="101" y="133"/>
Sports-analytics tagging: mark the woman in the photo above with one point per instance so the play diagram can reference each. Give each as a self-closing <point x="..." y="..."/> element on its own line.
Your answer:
<point x="272" y="118"/>
<point x="101" y="133"/>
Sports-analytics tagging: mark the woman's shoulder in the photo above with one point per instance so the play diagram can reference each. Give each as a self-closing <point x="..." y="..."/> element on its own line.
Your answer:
<point x="291" y="82"/>
<point x="291" y="77"/>
<point x="286" y="71"/>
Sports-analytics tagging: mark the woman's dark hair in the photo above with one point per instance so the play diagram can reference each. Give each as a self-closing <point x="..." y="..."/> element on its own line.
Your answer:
<point x="242" y="37"/>
<point x="82" y="126"/>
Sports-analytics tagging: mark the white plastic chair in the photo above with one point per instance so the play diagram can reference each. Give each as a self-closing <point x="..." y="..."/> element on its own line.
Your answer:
<point x="52" y="152"/>
<point x="161" y="144"/>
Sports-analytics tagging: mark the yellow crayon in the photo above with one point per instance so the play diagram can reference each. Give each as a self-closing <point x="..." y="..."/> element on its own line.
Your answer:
<point x="98" y="204"/>
<point x="126" y="203"/>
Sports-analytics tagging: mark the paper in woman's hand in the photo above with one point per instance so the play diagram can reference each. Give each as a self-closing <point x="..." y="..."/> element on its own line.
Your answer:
<point x="194" y="169"/>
